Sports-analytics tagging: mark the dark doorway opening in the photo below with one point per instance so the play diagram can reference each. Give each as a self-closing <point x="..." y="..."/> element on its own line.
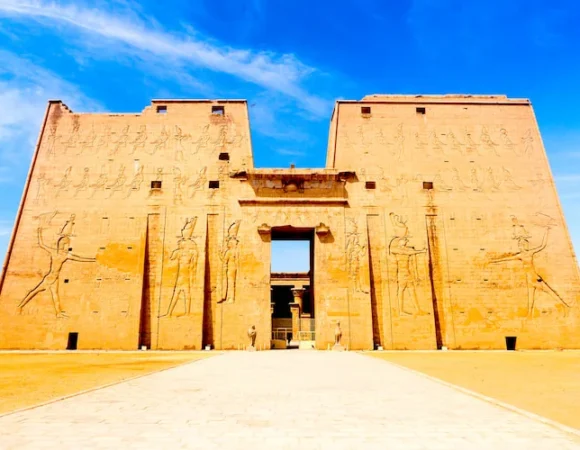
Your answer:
<point x="292" y="289"/>
<point x="510" y="342"/>
<point x="73" y="340"/>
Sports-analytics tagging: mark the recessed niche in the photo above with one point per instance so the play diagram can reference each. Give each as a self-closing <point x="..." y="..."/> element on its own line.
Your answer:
<point x="224" y="157"/>
<point x="156" y="185"/>
<point x="214" y="184"/>
<point x="427" y="185"/>
<point x="218" y="110"/>
<point x="370" y="185"/>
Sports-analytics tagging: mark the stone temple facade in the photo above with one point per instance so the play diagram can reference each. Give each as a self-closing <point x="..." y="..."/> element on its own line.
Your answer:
<point x="435" y="223"/>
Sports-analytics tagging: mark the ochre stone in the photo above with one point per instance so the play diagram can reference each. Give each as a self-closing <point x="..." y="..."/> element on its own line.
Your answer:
<point x="436" y="223"/>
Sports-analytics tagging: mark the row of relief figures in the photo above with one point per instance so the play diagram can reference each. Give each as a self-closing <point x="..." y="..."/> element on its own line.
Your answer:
<point x="55" y="238"/>
<point x="487" y="141"/>
<point x="475" y="179"/>
<point x="134" y="141"/>
<point x="411" y="261"/>
<point x="123" y="185"/>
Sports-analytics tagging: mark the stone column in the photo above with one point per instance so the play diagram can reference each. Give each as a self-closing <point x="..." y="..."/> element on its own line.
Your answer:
<point x="296" y="308"/>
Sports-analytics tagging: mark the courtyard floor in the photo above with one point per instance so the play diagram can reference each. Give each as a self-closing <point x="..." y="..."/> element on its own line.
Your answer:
<point x="280" y="400"/>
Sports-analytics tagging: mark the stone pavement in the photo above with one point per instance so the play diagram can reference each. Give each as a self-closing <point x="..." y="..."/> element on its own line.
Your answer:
<point x="279" y="400"/>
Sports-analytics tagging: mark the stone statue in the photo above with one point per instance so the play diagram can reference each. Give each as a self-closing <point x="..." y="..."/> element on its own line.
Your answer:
<point x="252" y="335"/>
<point x="337" y="338"/>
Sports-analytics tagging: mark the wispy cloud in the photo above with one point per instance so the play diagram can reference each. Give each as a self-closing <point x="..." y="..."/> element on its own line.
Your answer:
<point x="290" y="152"/>
<point x="570" y="178"/>
<point x="142" y="37"/>
<point x="24" y="91"/>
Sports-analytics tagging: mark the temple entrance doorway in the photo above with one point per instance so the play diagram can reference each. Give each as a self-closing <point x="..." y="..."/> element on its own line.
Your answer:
<point x="292" y="288"/>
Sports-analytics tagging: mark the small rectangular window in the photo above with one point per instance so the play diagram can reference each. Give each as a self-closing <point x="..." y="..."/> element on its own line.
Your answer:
<point x="66" y="281"/>
<point x="161" y="109"/>
<point x="427" y="185"/>
<point x="219" y="110"/>
<point x="156" y="185"/>
<point x="420" y="110"/>
<point x="214" y="184"/>
<point x="224" y="157"/>
<point x="70" y="249"/>
<point x="365" y="110"/>
<point x="370" y="185"/>
<point x="73" y="340"/>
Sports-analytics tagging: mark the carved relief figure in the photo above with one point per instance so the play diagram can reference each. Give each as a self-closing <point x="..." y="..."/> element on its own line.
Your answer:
<point x="104" y="139"/>
<point x="230" y="264"/>
<point x="178" y="183"/>
<point x="199" y="182"/>
<point x="470" y="145"/>
<point x="186" y="256"/>
<point x="457" y="182"/>
<point x="140" y="139"/>
<point x="508" y="181"/>
<point x="161" y="142"/>
<point x="407" y="270"/>
<point x="486" y="139"/>
<point x="455" y="144"/>
<point x="100" y="184"/>
<point x="203" y="140"/>
<point x="73" y="139"/>
<point x="136" y="182"/>
<point x="89" y="141"/>
<point x="41" y="183"/>
<point x="355" y="255"/>
<point x="399" y="142"/>
<point x="119" y="183"/>
<point x="59" y="255"/>
<point x="221" y="139"/>
<point x="505" y="139"/>
<point x="52" y="138"/>
<point x="121" y="142"/>
<point x="436" y="143"/>
<point x="525" y="255"/>
<point x="84" y="183"/>
<point x="64" y="183"/>
<point x="528" y="142"/>
<point x="179" y="138"/>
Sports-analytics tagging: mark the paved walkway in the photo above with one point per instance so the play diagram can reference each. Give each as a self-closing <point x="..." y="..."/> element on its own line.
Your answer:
<point x="279" y="400"/>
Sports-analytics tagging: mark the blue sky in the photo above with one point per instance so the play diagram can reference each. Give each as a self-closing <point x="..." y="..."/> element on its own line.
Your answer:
<point x="291" y="60"/>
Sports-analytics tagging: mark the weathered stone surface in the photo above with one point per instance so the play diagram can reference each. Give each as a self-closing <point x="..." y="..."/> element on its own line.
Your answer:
<point x="435" y="223"/>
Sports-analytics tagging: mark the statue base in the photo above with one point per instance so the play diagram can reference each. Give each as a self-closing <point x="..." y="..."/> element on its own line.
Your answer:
<point x="251" y="348"/>
<point x="337" y="348"/>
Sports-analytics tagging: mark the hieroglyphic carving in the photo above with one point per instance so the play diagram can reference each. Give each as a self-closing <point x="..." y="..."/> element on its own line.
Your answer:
<point x="178" y="139"/>
<point x="505" y="139"/>
<point x="198" y="183"/>
<point x="59" y="255"/>
<point x="119" y="184"/>
<point x="534" y="281"/>
<point x="73" y="138"/>
<point x="454" y="142"/>
<point x="64" y="183"/>
<point x="407" y="266"/>
<point x="355" y="255"/>
<point x="470" y="145"/>
<point x="399" y="142"/>
<point x="105" y="139"/>
<point x="229" y="258"/>
<point x="508" y="181"/>
<point x="83" y="184"/>
<point x="220" y="141"/>
<point x="186" y="255"/>
<point x="88" y="142"/>
<point x="202" y="142"/>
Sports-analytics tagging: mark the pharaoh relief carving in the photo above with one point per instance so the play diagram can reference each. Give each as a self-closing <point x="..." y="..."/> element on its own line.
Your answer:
<point x="535" y="283"/>
<point x="356" y="253"/>
<point x="121" y="143"/>
<point x="83" y="185"/>
<point x="178" y="182"/>
<point x="229" y="260"/>
<point x="52" y="139"/>
<point x="101" y="183"/>
<point x="178" y="143"/>
<point x="59" y="254"/>
<point x="487" y="141"/>
<point x="105" y="139"/>
<point x="88" y="141"/>
<point x="41" y="183"/>
<point x="202" y="142"/>
<point x="119" y="183"/>
<point x="407" y="266"/>
<point x="73" y="138"/>
<point x="185" y="257"/>
<point x="160" y="143"/>
<point x="136" y="182"/>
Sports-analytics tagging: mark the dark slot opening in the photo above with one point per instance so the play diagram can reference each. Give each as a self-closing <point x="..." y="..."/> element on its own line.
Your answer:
<point x="365" y="109"/>
<point x="370" y="185"/>
<point x="427" y="185"/>
<point x="224" y="157"/>
<point x="421" y="110"/>
<point x="156" y="185"/>
<point x="219" y="110"/>
<point x="73" y="340"/>
<point x="66" y="281"/>
<point x="214" y="184"/>
<point x="510" y="342"/>
<point x="161" y="109"/>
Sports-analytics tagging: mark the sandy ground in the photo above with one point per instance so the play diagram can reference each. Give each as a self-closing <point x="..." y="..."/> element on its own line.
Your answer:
<point x="546" y="383"/>
<point x="27" y="379"/>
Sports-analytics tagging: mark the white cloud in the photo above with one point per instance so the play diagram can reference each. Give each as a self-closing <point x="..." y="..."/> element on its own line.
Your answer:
<point x="290" y="152"/>
<point x="143" y="38"/>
